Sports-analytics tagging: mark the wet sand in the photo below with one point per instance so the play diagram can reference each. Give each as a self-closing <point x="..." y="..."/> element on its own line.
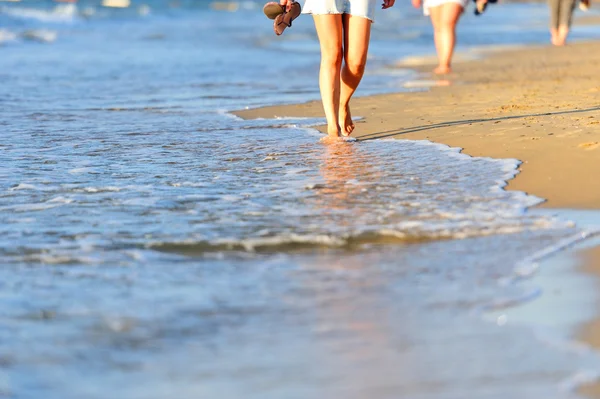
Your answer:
<point x="591" y="332"/>
<point x="540" y="105"/>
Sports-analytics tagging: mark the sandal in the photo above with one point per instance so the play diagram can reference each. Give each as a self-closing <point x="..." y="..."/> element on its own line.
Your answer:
<point x="273" y="9"/>
<point x="284" y="20"/>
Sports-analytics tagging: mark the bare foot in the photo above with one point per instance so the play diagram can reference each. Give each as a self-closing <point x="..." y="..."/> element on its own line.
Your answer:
<point x="442" y="70"/>
<point x="347" y="126"/>
<point x="333" y="132"/>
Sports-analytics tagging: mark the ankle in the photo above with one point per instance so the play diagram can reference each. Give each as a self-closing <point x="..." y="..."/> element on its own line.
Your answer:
<point x="334" y="131"/>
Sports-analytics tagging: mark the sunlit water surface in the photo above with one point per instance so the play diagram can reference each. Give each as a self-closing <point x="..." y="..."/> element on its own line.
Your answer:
<point x="154" y="246"/>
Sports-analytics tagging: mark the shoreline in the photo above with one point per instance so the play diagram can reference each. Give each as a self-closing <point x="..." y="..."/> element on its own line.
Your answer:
<point x="538" y="104"/>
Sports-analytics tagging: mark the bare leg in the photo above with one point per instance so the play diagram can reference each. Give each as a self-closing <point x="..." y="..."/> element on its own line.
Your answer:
<point x="561" y="36"/>
<point x="554" y="6"/>
<point x="329" y="31"/>
<point x="554" y="35"/>
<point x="357" y="31"/>
<point x="435" y="14"/>
<point x="565" y="17"/>
<point x="444" y="19"/>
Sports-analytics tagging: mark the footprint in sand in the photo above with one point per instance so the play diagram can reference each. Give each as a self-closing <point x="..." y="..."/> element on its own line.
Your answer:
<point x="589" y="146"/>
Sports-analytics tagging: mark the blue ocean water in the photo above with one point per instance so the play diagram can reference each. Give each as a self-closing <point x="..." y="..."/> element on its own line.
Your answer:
<point x="153" y="245"/>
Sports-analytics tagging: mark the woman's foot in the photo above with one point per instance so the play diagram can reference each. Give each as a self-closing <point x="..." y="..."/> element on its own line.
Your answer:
<point x="346" y="124"/>
<point x="561" y="35"/>
<point x="334" y="131"/>
<point x="333" y="135"/>
<point x="442" y="70"/>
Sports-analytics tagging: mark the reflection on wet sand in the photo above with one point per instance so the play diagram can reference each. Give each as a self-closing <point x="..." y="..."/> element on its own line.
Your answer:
<point x="351" y="329"/>
<point x="348" y="174"/>
<point x="358" y="197"/>
<point x="340" y="165"/>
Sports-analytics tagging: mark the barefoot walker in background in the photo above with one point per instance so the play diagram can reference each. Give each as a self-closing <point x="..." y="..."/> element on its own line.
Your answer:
<point x="561" y="15"/>
<point x="444" y="17"/>
<point x="344" y="29"/>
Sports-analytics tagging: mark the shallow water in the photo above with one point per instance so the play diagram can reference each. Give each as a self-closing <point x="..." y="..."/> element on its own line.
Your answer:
<point x="153" y="245"/>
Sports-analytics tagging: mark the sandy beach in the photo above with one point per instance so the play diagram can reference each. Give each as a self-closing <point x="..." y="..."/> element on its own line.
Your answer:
<point x="540" y="105"/>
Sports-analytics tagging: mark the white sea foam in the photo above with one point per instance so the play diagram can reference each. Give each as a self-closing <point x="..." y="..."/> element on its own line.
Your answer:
<point x="94" y="190"/>
<point x="32" y="207"/>
<point x="7" y="36"/>
<point x="59" y="200"/>
<point x="40" y="35"/>
<point x="23" y="186"/>
<point x="276" y="243"/>
<point x="81" y="170"/>
<point x="529" y="265"/>
<point x="60" y="13"/>
<point x="56" y="259"/>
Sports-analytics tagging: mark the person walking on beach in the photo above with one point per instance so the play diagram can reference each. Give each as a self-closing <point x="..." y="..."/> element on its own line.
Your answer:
<point x="444" y="16"/>
<point x="561" y="16"/>
<point x="344" y="30"/>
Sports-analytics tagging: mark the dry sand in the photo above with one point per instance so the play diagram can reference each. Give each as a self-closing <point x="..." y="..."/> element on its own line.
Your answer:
<point x="539" y="105"/>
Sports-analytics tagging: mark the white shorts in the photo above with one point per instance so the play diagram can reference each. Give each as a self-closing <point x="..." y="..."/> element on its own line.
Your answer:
<point x="358" y="8"/>
<point x="427" y="4"/>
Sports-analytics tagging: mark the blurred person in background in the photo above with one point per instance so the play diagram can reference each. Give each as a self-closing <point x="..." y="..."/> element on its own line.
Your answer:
<point x="444" y="16"/>
<point x="561" y="16"/>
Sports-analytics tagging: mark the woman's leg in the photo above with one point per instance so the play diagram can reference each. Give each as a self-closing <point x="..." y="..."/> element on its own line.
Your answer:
<point x="444" y="19"/>
<point x="357" y="32"/>
<point x="565" y="19"/>
<point x="554" y="6"/>
<point x="329" y="31"/>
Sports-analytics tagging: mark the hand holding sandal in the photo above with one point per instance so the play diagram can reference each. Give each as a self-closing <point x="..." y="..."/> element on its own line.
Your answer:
<point x="282" y="15"/>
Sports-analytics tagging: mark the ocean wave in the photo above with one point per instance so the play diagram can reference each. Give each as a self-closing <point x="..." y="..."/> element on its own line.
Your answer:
<point x="292" y="243"/>
<point x="60" y="13"/>
<point x="95" y="190"/>
<point x="56" y="259"/>
<point x="38" y="206"/>
<point x="40" y="35"/>
<point x="23" y="186"/>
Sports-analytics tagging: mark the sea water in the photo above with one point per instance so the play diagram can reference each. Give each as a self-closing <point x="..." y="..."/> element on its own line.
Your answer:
<point x="153" y="245"/>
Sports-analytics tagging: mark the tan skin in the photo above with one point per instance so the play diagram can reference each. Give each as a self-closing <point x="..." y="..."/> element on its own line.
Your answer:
<point x="444" y="19"/>
<point x="344" y="42"/>
<point x="561" y="32"/>
<point x="559" y="35"/>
